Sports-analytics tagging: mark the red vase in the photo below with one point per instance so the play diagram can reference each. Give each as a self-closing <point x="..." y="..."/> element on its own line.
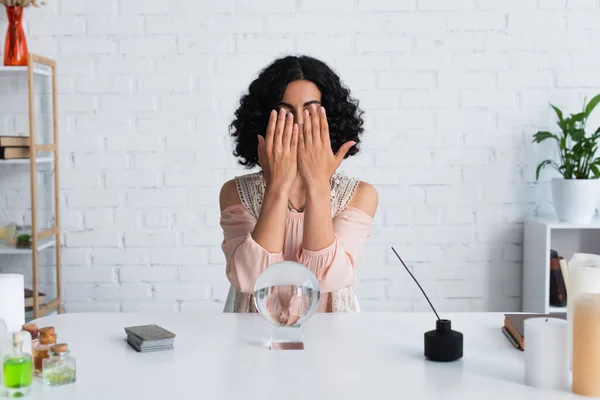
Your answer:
<point x="15" y="46"/>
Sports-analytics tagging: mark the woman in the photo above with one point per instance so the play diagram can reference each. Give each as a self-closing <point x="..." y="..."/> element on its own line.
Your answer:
<point x="297" y="122"/>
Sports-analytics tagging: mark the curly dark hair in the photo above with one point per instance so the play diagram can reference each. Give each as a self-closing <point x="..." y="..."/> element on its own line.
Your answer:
<point x="266" y="91"/>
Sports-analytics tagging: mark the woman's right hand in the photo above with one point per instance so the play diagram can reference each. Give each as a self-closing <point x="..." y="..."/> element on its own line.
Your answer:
<point x="277" y="151"/>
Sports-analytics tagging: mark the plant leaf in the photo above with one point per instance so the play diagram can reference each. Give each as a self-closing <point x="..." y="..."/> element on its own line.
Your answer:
<point x="591" y="105"/>
<point x="543" y="135"/>
<point x="579" y="117"/>
<point x="595" y="170"/>
<point x="578" y="135"/>
<point x="558" y="113"/>
<point x="539" y="168"/>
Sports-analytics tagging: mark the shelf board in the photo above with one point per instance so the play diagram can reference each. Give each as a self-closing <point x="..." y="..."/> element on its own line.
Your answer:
<point x="45" y="244"/>
<point x="12" y="71"/>
<point x="39" y="160"/>
<point x="555" y="224"/>
<point x="557" y="309"/>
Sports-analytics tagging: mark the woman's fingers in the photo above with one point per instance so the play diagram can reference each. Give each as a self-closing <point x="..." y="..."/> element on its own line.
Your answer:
<point x="301" y="143"/>
<point x="271" y="130"/>
<point x="339" y="156"/>
<point x="278" y="139"/>
<point x="294" y="141"/>
<point x="308" y="140"/>
<point x="287" y="132"/>
<point x="315" y="121"/>
<point x="324" y="127"/>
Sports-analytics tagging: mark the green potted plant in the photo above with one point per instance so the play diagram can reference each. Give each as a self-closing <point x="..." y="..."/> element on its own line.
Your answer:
<point x="576" y="193"/>
<point x="24" y="240"/>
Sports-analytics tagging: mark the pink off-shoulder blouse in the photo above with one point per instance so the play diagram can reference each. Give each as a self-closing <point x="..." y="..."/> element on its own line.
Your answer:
<point x="334" y="266"/>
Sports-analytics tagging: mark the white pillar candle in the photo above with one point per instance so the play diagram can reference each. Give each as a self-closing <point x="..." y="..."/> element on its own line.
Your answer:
<point x="546" y="355"/>
<point x="584" y="277"/>
<point x="12" y="301"/>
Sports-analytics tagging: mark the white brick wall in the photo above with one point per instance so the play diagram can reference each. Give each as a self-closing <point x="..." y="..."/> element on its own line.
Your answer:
<point x="453" y="91"/>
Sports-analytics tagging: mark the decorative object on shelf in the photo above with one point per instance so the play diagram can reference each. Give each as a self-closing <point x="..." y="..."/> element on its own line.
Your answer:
<point x="586" y="345"/>
<point x="287" y="294"/>
<point x="24" y="241"/>
<point x="4" y="219"/>
<point x="18" y="371"/>
<point x="576" y="194"/>
<point x="546" y="356"/>
<point x="13" y="232"/>
<point x="60" y="368"/>
<point x="443" y="343"/>
<point x="584" y="277"/>
<point x="29" y="297"/>
<point x="10" y="234"/>
<point x="558" y="289"/>
<point x="46" y="338"/>
<point x="12" y="302"/>
<point x="15" y="45"/>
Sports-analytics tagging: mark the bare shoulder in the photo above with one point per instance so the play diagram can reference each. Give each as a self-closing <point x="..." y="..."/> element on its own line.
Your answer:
<point x="366" y="198"/>
<point x="229" y="195"/>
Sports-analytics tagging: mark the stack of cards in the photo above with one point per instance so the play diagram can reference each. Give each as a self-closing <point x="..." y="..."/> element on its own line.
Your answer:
<point x="146" y="338"/>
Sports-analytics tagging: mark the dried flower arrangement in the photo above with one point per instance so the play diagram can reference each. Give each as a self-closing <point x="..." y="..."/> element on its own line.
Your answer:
<point x="22" y="3"/>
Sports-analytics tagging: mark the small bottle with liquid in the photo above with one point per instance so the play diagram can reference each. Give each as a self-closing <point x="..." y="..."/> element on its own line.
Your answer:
<point x="18" y="369"/>
<point x="46" y="338"/>
<point x="59" y="368"/>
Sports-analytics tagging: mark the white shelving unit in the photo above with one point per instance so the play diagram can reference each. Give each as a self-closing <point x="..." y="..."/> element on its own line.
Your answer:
<point x="541" y="236"/>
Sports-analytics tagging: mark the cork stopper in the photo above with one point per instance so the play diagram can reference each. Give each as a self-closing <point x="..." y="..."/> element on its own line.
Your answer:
<point x="17" y="338"/>
<point x="32" y="329"/>
<point x="59" y="348"/>
<point x="47" y="335"/>
<point x="47" y="330"/>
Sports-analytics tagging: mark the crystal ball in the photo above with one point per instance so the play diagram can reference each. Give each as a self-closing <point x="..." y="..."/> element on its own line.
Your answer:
<point x="287" y="294"/>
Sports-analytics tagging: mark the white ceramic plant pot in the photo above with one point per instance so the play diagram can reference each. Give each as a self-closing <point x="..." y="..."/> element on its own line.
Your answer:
<point x="575" y="200"/>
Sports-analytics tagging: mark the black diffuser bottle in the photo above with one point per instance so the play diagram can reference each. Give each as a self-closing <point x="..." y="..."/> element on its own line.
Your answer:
<point x="442" y="344"/>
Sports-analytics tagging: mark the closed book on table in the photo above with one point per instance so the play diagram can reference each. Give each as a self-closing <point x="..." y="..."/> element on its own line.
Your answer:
<point x="515" y="324"/>
<point x="149" y="338"/>
<point x="14" y="141"/>
<point x="8" y="153"/>
<point x="149" y="332"/>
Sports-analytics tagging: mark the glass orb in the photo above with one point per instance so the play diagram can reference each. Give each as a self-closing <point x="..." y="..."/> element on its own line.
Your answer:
<point x="287" y="294"/>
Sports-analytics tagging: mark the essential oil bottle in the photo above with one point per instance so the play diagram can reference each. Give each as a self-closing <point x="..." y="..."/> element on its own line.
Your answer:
<point x="18" y="369"/>
<point x="59" y="368"/>
<point x="47" y="337"/>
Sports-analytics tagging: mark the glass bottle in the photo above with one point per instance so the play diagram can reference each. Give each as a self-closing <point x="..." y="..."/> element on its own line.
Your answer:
<point x="46" y="338"/>
<point x="34" y="331"/>
<point x="17" y="367"/>
<point x="59" y="368"/>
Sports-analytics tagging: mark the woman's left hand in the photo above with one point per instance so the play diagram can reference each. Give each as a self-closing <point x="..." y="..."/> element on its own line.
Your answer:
<point x="316" y="161"/>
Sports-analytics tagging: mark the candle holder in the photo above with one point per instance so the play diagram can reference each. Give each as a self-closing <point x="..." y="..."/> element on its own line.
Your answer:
<point x="287" y="294"/>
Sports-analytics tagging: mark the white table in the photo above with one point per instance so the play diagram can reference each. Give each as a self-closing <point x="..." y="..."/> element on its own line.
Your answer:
<point x="347" y="356"/>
